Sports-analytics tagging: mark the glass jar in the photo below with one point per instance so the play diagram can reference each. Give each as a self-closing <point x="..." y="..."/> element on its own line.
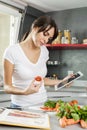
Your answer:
<point x="67" y="35"/>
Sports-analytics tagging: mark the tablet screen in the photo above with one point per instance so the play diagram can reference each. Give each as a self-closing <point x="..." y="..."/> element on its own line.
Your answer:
<point x="74" y="77"/>
<point x="64" y="83"/>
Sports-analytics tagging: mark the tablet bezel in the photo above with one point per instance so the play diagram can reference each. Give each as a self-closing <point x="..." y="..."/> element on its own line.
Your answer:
<point x="69" y="80"/>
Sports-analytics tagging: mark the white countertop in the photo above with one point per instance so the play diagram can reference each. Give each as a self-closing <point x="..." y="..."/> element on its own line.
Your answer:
<point x="53" y="123"/>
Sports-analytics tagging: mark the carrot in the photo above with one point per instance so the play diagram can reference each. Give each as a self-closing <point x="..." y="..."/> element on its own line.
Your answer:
<point x="73" y="102"/>
<point x="57" y="107"/>
<point x="83" y="124"/>
<point x="47" y="108"/>
<point x="44" y="108"/>
<point x="64" y="121"/>
<point x="72" y="121"/>
<point x="79" y="107"/>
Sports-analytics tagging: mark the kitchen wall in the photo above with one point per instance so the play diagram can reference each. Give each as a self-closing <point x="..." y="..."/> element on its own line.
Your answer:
<point x="74" y="20"/>
<point x="4" y="34"/>
<point x="71" y="59"/>
<point x="75" y="60"/>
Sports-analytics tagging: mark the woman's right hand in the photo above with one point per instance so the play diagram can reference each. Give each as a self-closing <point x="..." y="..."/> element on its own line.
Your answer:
<point x="32" y="88"/>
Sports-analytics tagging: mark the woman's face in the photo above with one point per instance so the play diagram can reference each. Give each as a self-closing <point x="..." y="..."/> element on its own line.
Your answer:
<point x="42" y="38"/>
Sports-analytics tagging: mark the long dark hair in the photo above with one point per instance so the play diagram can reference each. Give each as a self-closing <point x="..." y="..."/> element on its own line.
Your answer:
<point x="43" y="22"/>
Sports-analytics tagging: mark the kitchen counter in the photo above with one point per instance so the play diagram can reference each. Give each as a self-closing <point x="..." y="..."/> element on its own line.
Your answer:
<point x="53" y="119"/>
<point x="53" y="123"/>
<point x="4" y="98"/>
<point x="78" y="91"/>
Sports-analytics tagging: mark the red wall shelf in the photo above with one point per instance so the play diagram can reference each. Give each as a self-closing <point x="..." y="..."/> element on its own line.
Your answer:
<point x="67" y="46"/>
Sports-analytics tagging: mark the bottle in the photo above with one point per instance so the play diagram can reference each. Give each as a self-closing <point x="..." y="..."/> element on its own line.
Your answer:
<point x="73" y="40"/>
<point x="67" y="40"/>
<point x="59" y="36"/>
<point x="54" y="76"/>
<point x="58" y="39"/>
<point x="67" y="35"/>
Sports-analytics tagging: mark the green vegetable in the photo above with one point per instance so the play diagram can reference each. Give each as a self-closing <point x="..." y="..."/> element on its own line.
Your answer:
<point x="67" y="110"/>
<point x="50" y="103"/>
<point x="72" y="112"/>
<point x="75" y="116"/>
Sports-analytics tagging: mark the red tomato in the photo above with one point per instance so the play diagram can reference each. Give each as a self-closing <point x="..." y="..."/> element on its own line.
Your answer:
<point x="38" y="78"/>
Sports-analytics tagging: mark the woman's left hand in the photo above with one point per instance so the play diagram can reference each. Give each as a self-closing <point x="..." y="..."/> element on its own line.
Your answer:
<point x="66" y="80"/>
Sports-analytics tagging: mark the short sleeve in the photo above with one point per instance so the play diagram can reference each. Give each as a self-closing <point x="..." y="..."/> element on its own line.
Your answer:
<point x="47" y="56"/>
<point x="9" y="54"/>
<point x="45" y="53"/>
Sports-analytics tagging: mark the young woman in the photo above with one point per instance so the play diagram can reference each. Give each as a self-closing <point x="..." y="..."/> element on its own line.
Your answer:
<point x="26" y="60"/>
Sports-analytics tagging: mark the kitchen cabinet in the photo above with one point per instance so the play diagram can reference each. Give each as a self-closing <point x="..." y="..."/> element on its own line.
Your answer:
<point x="29" y="15"/>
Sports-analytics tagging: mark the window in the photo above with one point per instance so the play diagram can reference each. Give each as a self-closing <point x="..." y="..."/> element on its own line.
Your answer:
<point x="9" y="28"/>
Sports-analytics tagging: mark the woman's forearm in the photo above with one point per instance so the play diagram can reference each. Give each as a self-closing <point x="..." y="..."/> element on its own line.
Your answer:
<point x="13" y="90"/>
<point x="32" y="88"/>
<point x="51" y="82"/>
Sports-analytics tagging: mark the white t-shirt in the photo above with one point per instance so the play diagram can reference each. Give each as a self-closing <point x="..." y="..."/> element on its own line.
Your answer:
<point x="24" y="72"/>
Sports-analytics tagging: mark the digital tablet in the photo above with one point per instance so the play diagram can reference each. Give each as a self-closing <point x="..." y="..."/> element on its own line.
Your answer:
<point x="69" y="80"/>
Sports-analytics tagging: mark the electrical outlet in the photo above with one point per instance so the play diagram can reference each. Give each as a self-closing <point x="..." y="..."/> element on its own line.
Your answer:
<point x="70" y="72"/>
